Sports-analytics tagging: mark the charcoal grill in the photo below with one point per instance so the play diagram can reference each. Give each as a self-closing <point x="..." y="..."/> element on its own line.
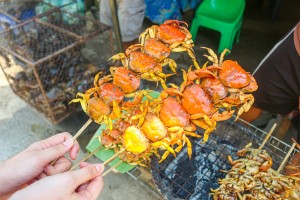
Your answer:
<point x="180" y="178"/>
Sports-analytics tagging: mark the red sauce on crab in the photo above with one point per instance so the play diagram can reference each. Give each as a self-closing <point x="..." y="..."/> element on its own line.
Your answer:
<point x="156" y="49"/>
<point x="126" y="80"/>
<point x="170" y="34"/>
<point x="141" y="62"/>
<point x="172" y="113"/>
<point x="109" y="92"/>
<point x="97" y="107"/>
<point x="214" y="88"/>
<point x="195" y="100"/>
<point x="233" y="75"/>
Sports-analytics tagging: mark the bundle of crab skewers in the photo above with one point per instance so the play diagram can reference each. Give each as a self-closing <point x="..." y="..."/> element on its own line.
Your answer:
<point x="143" y="124"/>
<point x="251" y="177"/>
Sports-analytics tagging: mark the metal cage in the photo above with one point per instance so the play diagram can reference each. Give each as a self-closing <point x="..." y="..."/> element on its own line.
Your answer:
<point x="48" y="59"/>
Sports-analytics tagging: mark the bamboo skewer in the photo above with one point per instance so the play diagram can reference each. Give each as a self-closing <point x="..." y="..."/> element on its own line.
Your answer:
<point x="85" y="158"/>
<point x="86" y="124"/>
<point x="268" y="136"/>
<point x="111" y="168"/>
<point x="92" y="153"/>
<point x="286" y="157"/>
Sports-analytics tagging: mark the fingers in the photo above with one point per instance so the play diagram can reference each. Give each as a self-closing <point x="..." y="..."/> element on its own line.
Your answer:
<point x="87" y="173"/>
<point x="47" y="155"/>
<point x="91" y="190"/>
<point x="51" y="141"/>
<point x="74" y="150"/>
<point x="61" y="165"/>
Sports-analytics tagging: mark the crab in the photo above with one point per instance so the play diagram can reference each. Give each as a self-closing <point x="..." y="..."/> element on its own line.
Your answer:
<point x="125" y="79"/>
<point x="102" y="101"/>
<point x="174" y="34"/>
<point x="258" y="155"/>
<point x="238" y="82"/>
<point x="145" y="66"/>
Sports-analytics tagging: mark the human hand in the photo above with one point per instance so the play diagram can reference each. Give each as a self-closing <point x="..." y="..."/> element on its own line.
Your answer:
<point x="83" y="184"/>
<point x="34" y="162"/>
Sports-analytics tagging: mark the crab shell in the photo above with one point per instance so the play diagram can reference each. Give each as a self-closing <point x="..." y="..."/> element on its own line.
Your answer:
<point x="126" y="80"/>
<point x="173" y="114"/>
<point x="214" y="88"/>
<point x="153" y="128"/>
<point x="96" y="107"/>
<point x="156" y="49"/>
<point x="195" y="100"/>
<point x="233" y="75"/>
<point x="170" y="33"/>
<point x="134" y="140"/>
<point x="109" y="92"/>
<point x="141" y="62"/>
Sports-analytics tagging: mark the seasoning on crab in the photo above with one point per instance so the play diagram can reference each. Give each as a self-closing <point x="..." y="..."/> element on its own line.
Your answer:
<point x="153" y="128"/>
<point x="134" y="140"/>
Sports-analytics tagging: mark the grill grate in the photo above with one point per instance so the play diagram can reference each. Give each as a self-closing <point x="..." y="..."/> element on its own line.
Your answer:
<point x="180" y="178"/>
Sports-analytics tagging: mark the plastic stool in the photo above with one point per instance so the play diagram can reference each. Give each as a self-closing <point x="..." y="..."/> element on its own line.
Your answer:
<point x="225" y="16"/>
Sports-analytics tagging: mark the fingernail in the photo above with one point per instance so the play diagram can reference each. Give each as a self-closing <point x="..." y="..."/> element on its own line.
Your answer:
<point x="69" y="142"/>
<point x="100" y="167"/>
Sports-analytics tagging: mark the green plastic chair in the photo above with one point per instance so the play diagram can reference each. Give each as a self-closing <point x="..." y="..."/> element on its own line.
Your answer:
<point x="225" y="16"/>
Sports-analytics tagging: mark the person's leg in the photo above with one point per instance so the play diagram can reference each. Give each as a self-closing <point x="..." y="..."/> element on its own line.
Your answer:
<point x="131" y="17"/>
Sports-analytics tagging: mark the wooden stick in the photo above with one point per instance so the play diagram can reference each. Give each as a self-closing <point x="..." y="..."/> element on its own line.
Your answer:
<point x="87" y="123"/>
<point x="113" y="157"/>
<point x="268" y="136"/>
<point x="86" y="157"/>
<point x="286" y="157"/>
<point x="111" y="168"/>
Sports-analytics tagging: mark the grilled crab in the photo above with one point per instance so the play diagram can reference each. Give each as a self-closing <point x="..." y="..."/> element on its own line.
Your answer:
<point x="102" y="101"/>
<point x="238" y="82"/>
<point x="258" y="155"/>
<point x="145" y="66"/>
<point x="174" y="34"/>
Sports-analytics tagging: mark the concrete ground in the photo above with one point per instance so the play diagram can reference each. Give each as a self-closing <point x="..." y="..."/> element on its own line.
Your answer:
<point x="21" y="125"/>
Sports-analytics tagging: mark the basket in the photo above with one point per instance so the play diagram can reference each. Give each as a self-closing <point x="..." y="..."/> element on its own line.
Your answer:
<point x="47" y="63"/>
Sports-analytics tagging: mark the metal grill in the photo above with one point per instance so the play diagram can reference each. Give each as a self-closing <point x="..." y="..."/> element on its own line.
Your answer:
<point x="47" y="64"/>
<point x="180" y="178"/>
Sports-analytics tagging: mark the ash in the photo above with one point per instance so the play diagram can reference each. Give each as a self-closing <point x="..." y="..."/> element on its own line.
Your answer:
<point x="193" y="179"/>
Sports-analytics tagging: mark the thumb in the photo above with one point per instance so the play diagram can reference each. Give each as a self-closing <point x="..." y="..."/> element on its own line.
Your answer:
<point x="52" y="153"/>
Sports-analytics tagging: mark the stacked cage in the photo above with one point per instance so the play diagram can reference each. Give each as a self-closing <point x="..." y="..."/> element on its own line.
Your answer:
<point x="51" y="57"/>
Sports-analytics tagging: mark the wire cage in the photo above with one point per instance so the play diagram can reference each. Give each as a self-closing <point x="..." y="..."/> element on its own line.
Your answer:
<point x="181" y="178"/>
<point x="47" y="64"/>
<point x="15" y="12"/>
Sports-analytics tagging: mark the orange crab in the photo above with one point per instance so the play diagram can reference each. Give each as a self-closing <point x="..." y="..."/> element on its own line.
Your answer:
<point x="102" y="101"/>
<point x="239" y="84"/>
<point x="125" y="79"/>
<point x="174" y="34"/>
<point x="177" y="121"/>
<point x="144" y="65"/>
